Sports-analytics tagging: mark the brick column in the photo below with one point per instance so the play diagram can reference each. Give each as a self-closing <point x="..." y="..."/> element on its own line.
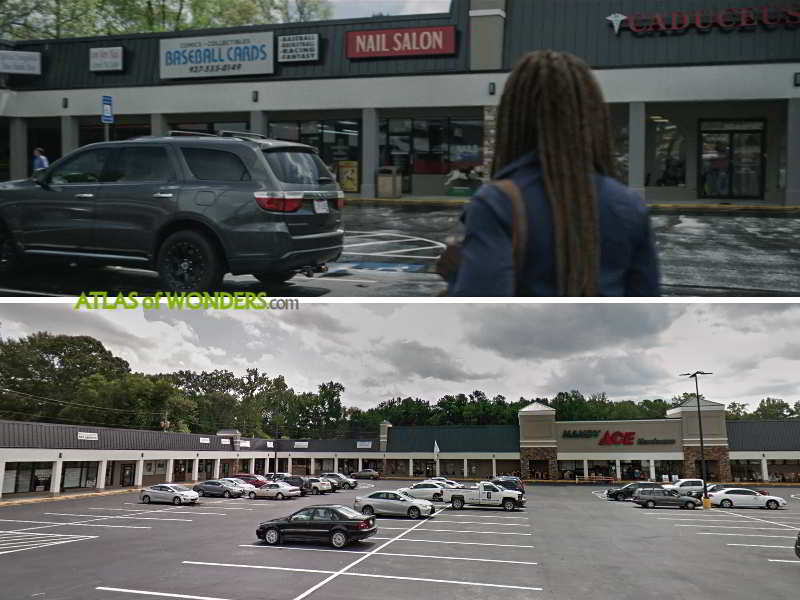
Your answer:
<point x="548" y="454"/>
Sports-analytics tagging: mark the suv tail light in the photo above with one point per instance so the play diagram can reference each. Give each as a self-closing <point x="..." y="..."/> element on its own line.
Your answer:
<point x="365" y="524"/>
<point x="279" y="201"/>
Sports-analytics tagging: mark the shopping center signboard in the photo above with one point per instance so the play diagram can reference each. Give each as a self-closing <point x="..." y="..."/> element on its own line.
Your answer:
<point x="410" y="41"/>
<point x="217" y="56"/>
<point x="726" y="19"/>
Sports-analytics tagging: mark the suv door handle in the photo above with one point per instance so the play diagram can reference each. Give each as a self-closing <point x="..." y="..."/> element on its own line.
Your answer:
<point x="162" y="195"/>
<point x="84" y="195"/>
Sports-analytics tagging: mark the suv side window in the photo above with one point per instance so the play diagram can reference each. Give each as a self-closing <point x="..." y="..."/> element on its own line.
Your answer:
<point x="293" y="166"/>
<point x="140" y="163"/>
<point x="215" y="165"/>
<point x="86" y="167"/>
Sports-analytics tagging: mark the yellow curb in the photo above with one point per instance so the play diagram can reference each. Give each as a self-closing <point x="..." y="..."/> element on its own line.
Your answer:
<point x="4" y="503"/>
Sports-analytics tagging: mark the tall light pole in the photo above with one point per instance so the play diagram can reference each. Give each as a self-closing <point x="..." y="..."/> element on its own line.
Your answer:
<point x="700" y="427"/>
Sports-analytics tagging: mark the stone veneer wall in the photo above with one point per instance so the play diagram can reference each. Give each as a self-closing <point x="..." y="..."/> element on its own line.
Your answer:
<point x="717" y="453"/>
<point x="489" y="119"/>
<point x="548" y="454"/>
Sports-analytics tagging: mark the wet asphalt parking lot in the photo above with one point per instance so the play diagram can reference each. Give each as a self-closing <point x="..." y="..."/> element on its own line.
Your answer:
<point x="568" y="543"/>
<point x="390" y="250"/>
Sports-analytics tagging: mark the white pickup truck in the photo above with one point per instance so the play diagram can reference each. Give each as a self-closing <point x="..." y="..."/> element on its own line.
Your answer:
<point x="484" y="494"/>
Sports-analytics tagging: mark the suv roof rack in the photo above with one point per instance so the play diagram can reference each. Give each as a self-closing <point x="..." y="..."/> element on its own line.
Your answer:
<point x="179" y="132"/>
<point x="244" y="134"/>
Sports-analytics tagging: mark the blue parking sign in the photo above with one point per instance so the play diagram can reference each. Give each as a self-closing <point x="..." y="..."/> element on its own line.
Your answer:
<point x="107" y="115"/>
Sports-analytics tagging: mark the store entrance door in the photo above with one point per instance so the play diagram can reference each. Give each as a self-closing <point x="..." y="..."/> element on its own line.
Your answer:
<point x="126" y="475"/>
<point x="732" y="160"/>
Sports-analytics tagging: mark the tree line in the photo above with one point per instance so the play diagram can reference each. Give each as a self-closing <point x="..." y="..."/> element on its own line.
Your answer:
<point x="75" y="379"/>
<point x="54" y="19"/>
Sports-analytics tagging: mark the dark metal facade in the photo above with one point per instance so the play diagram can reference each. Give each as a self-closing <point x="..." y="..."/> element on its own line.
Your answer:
<point x="580" y="27"/>
<point x="454" y="438"/>
<point x="764" y="436"/>
<point x="65" y="63"/>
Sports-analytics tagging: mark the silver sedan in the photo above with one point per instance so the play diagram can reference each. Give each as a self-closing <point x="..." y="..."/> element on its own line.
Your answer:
<point x="168" y="492"/>
<point x="393" y="503"/>
<point x="277" y="490"/>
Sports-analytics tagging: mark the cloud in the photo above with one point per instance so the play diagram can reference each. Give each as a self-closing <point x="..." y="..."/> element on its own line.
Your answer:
<point x="520" y="332"/>
<point x="413" y="359"/>
<point x="617" y="375"/>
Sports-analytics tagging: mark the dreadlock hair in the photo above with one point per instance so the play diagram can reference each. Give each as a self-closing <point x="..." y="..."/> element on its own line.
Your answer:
<point x="553" y="105"/>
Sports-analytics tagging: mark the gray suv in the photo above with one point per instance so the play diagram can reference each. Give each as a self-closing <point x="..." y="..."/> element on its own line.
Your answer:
<point x="192" y="207"/>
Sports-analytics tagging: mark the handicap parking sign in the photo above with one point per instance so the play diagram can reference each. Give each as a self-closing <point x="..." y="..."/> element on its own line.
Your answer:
<point x="107" y="115"/>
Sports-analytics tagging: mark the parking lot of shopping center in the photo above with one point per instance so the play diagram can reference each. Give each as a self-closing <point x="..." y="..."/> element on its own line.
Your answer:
<point x="567" y="543"/>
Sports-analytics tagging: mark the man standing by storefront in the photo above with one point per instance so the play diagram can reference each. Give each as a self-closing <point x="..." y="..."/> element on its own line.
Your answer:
<point x="39" y="160"/>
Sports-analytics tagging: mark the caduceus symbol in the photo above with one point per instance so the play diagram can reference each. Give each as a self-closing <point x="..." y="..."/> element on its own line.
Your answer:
<point x="616" y="20"/>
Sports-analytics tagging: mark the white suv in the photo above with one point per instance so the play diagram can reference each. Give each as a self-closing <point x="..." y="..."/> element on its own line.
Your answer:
<point x="684" y="486"/>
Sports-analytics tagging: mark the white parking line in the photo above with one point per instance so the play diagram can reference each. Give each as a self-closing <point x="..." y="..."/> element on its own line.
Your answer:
<point x="459" y="543"/>
<point x="490" y="560"/>
<point x="736" y="527"/>
<point x="482" y="523"/>
<point x="725" y="520"/>
<point x="453" y="513"/>
<point x="783" y="537"/>
<point x="368" y="575"/>
<point x="757" y="546"/>
<point x="796" y="562"/>
<point x="175" y="512"/>
<point x="762" y="520"/>
<point x="464" y="531"/>
<point x="118" y="517"/>
<point x="17" y="541"/>
<point x="333" y="576"/>
<point x="162" y="594"/>
<point x="53" y="523"/>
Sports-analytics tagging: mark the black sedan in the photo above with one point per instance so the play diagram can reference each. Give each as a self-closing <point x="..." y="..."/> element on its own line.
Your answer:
<point x="797" y="546"/>
<point x="626" y="491"/>
<point x="332" y="523"/>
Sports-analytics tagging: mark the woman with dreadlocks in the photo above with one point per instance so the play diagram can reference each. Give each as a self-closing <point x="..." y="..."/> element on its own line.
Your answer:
<point x="586" y="233"/>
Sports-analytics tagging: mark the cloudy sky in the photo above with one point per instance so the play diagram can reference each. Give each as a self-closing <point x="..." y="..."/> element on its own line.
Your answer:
<point x="348" y="9"/>
<point x="629" y="351"/>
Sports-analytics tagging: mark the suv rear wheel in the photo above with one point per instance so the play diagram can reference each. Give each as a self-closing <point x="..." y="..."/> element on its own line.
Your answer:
<point x="189" y="262"/>
<point x="277" y="277"/>
<point x="649" y="504"/>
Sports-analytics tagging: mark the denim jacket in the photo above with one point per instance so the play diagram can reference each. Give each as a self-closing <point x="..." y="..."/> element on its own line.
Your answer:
<point x="628" y="263"/>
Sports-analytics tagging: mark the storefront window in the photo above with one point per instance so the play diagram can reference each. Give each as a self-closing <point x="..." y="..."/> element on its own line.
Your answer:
<point x="601" y="468"/>
<point x="634" y="469"/>
<point x="44" y="134"/>
<point x="79" y="475"/>
<point x="671" y="469"/>
<point x="430" y="147"/>
<point x="27" y="477"/>
<point x="783" y="470"/>
<point x="338" y="143"/>
<point x="620" y="141"/>
<point x="669" y="148"/>
<point x="570" y="469"/>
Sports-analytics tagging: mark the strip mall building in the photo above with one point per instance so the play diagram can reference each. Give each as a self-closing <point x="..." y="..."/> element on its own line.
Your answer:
<point x="704" y="94"/>
<point x="51" y="458"/>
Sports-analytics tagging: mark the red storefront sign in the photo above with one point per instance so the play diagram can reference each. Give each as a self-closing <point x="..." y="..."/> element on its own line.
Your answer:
<point x="704" y="20"/>
<point x="618" y="438"/>
<point x="413" y="41"/>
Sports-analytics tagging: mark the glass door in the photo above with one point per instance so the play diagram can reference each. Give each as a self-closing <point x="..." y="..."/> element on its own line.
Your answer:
<point x="731" y="159"/>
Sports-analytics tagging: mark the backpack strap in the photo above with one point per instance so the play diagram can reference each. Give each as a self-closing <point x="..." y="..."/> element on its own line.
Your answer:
<point x="519" y="228"/>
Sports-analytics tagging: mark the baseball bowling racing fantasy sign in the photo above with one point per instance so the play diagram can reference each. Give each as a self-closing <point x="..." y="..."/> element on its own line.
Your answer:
<point x="726" y="19"/>
<point x="217" y="56"/>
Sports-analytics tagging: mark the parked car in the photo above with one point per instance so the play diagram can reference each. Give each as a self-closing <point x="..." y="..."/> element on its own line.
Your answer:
<point x="168" y="492"/>
<point x="446" y="480"/>
<point x="716" y="487"/>
<point x="246" y="487"/>
<point x="191" y="207"/>
<point x="484" y="494"/>
<point x="366" y="474"/>
<point x="278" y="476"/>
<point x="334" y="483"/>
<point x="745" y="498"/>
<point x="347" y="483"/>
<point x="626" y="492"/>
<point x="334" y="523"/>
<point x="319" y="485"/>
<point x="653" y="497"/>
<point x="797" y="546"/>
<point x="393" y="503"/>
<point x="426" y="490"/>
<point x="276" y="490"/>
<point x="510" y="483"/>
<point x="256" y="480"/>
<point x="299" y="482"/>
<point x="685" y="485"/>
<point x="446" y="483"/>
<point x="218" y="487"/>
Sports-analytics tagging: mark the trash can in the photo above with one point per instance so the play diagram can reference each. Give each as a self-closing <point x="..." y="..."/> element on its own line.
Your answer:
<point x="390" y="182"/>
